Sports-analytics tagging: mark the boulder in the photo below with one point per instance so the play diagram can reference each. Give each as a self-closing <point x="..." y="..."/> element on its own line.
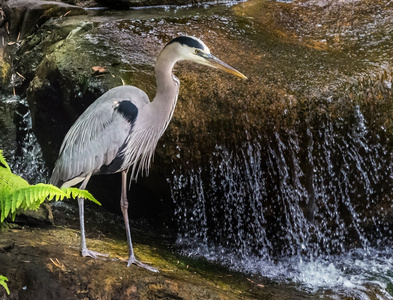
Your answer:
<point x="18" y="19"/>
<point x="24" y="16"/>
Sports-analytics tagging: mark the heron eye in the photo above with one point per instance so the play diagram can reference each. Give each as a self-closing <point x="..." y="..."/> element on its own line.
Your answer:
<point x="197" y="51"/>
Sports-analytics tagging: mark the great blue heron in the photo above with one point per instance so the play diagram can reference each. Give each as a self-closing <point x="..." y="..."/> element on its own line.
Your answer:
<point x="120" y="130"/>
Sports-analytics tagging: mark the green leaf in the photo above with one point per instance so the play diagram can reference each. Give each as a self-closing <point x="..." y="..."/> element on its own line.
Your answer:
<point x="77" y="193"/>
<point x="3" y="163"/>
<point x="34" y="195"/>
<point x="3" y="283"/>
<point x="16" y="194"/>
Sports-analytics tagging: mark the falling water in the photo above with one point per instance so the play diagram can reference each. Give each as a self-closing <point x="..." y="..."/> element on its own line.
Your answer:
<point x="305" y="205"/>
<point x="25" y="159"/>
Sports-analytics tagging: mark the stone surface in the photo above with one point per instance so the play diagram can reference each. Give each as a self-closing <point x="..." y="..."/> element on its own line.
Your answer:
<point x="24" y="16"/>
<point x="125" y="4"/>
<point x="18" y="19"/>
<point x="44" y="263"/>
<point x="8" y="128"/>
<point x="136" y="3"/>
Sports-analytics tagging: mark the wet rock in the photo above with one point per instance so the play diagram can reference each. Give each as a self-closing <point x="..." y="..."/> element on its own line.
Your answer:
<point x="8" y="128"/>
<point x="44" y="263"/>
<point x="135" y="3"/>
<point x="18" y="19"/>
<point x="80" y="3"/>
<point x="5" y="70"/>
<point x="62" y="85"/>
<point x="125" y="4"/>
<point x="42" y="216"/>
<point x="24" y="16"/>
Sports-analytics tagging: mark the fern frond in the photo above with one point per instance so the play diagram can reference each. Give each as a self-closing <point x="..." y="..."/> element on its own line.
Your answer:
<point x="16" y="194"/>
<point x="77" y="193"/>
<point x="30" y="197"/>
<point x="3" y="163"/>
<point x="10" y="182"/>
<point x="3" y="283"/>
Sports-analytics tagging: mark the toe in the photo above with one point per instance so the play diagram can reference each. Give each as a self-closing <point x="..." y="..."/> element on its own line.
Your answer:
<point x="93" y="254"/>
<point x="132" y="260"/>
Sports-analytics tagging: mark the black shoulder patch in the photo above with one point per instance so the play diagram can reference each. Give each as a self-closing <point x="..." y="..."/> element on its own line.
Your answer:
<point x="128" y="110"/>
<point x="185" y="40"/>
<point x="115" y="165"/>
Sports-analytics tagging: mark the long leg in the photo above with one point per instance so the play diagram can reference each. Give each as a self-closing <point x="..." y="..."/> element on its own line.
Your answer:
<point x="124" y="210"/>
<point x="84" y="250"/>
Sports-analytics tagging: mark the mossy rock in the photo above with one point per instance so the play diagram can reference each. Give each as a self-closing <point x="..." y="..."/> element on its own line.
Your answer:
<point x="5" y="72"/>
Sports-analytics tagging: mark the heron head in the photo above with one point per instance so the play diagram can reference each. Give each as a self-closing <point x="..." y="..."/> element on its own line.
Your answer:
<point x="193" y="49"/>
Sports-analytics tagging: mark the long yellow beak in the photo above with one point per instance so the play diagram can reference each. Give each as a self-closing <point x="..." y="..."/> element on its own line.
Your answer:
<point x="214" y="62"/>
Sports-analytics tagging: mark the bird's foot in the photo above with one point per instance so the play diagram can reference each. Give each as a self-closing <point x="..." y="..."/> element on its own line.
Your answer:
<point x="93" y="254"/>
<point x="133" y="260"/>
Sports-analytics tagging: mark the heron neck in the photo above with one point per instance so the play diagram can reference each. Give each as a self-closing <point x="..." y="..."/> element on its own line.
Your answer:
<point x="167" y="86"/>
<point x="163" y="70"/>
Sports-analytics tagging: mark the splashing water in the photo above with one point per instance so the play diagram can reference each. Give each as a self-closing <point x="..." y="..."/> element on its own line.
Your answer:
<point x="305" y="205"/>
<point x="26" y="158"/>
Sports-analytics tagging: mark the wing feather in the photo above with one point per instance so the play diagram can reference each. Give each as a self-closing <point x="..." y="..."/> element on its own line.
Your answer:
<point x="97" y="135"/>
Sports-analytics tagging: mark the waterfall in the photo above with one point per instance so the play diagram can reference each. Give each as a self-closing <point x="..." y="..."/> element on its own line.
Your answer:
<point x="23" y="152"/>
<point x="293" y="199"/>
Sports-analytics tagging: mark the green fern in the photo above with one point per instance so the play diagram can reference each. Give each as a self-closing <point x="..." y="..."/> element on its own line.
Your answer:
<point x="8" y="181"/>
<point x="77" y="193"/>
<point x="3" y="163"/>
<point x="17" y="195"/>
<point x="3" y="283"/>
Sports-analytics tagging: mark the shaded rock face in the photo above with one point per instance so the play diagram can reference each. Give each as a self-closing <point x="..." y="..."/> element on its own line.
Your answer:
<point x="8" y="130"/>
<point x="23" y="16"/>
<point x="18" y="19"/>
<point x="62" y="88"/>
<point x="63" y="84"/>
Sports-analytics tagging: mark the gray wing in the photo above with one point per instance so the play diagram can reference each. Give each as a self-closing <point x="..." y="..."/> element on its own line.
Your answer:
<point x="93" y="142"/>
